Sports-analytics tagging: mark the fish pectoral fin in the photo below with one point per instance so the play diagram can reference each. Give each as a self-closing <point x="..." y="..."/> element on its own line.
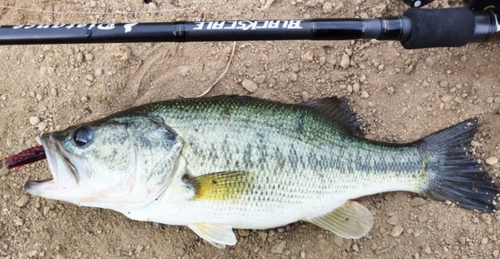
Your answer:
<point x="220" y="186"/>
<point x="218" y="235"/>
<point x="351" y="220"/>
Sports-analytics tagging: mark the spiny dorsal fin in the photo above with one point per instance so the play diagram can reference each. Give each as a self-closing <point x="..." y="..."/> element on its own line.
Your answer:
<point x="351" y="220"/>
<point x="337" y="109"/>
<point x="218" y="235"/>
<point x="220" y="186"/>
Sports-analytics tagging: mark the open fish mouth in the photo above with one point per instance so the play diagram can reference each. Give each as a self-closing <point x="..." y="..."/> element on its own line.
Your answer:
<point x="64" y="174"/>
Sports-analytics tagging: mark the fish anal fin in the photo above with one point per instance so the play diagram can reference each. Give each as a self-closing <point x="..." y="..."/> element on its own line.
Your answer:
<point x="220" y="186"/>
<point x="351" y="220"/>
<point x="337" y="110"/>
<point x="218" y="235"/>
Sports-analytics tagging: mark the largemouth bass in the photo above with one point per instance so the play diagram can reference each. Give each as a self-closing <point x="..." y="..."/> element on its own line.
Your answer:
<point x="215" y="164"/>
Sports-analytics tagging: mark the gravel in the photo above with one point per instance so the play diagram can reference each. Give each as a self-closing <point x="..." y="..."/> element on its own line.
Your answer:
<point x="34" y="120"/>
<point x="397" y="230"/>
<point x="345" y="61"/>
<point x="249" y="85"/>
<point x="22" y="201"/>
<point x="492" y="160"/>
<point x="416" y="202"/>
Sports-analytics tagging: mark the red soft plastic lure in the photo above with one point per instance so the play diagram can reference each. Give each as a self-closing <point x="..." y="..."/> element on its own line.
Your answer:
<point x="25" y="157"/>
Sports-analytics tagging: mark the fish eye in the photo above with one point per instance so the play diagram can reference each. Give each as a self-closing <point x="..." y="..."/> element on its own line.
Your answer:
<point x="82" y="136"/>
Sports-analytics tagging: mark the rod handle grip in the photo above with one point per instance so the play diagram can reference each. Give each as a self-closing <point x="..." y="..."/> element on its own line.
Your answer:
<point x="433" y="28"/>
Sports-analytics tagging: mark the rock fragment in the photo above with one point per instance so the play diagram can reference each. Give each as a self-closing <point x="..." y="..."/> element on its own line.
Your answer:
<point x="416" y="202"/>
<point x="397" y="230"/>
<point x="249" y="85"/>
<point x="34" y="120"/>
<point x="491" y="160"/>
<point x="21" y="202"/>
<point x="345" y="61"/>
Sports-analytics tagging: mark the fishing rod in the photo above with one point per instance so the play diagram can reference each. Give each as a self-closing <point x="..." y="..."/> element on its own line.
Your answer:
<point x="415" y="29"/>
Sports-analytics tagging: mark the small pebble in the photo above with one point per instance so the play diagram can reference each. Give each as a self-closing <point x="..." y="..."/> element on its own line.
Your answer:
<point x="444" y="83"/>
<point x="278" y="249"/>
<point x="491" y="160"/>
<point x="484" y="241"/>
<point x="428" y="250"/>
<point x="397" y="230"/>
<point x="393" y="220"/>
<point x="362" y="78"/>
<point x="364" y="94"/>
<point x="79" y="57"/>
<point x="322" y="60"/>
<point x="89" y="77"/>
<point x="409" y="69"/>
<point x="260" y="79"/>
<point x="305" y="96"/>
<point x="41" y="126"/>
<point x="243" y="232"/>
<point x="486" y="218"/>
<point x="327" y="7"/>
<point x="99" y="72"/>
<point x="463" y="58"/>
<point x="417" y="202"/>
<point x="89" y="57"/>
<point x="345" y="62"/>
<point x="355" y="247"/>
<point x="45" y="211"/>
<point x="18" y="221"/>
<point x="356" y="87"/>
<point x="34" y="120"/>
<point x="249" y="85"/>
<point x="307" y="57"/>
<point x="53" y="92"/>
<point x="496" y="253"/>
<point x="422" y="217"/>
<point x="21" y="202"/>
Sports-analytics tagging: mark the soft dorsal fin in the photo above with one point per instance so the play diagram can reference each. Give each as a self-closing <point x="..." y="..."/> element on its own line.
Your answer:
<point x="338" y="110"/>
<point x="350" y="220"/>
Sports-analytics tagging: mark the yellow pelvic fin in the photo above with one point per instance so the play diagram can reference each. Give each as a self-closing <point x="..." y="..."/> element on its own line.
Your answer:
<point x="350" y="220"/>
<point x="222" y="185"/>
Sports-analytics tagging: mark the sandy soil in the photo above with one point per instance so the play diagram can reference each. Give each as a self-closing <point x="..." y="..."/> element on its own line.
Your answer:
<point x="401" y="96"/>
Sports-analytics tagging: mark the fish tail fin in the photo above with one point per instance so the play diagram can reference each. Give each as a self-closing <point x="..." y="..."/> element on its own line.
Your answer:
<point x="453" y="174"/>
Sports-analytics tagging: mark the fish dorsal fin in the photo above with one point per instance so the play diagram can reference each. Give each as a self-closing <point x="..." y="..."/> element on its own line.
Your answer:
<point x="351" y="220"/>
<point x="218" y="235"/>
<point x="220" y="186"/>
<point x="338" y="110"/>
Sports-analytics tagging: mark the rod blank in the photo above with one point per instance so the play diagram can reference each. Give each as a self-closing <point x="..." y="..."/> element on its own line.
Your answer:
<point x="331" y="29"/>
<point x="417" y="28"/>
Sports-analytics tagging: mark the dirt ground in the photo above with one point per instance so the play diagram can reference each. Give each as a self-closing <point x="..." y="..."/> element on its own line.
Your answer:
<point x="400" y="95"/>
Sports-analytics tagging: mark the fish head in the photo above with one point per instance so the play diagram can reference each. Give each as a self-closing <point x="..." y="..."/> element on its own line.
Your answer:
<point x="127" y="160"/>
